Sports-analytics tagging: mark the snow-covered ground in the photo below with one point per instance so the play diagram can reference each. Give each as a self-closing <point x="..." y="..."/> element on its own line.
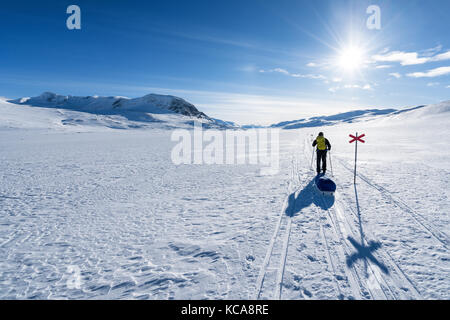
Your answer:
<point x="88" y="211"/>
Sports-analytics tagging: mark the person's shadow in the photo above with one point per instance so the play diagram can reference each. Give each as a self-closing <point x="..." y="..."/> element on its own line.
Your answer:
<point x="305" y="198"/>
<point x="310" y="195"/>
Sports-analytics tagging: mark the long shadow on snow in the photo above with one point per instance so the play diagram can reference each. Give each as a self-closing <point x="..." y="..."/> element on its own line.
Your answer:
<point x="364" y="252"/>
<point x="308" y="196"/>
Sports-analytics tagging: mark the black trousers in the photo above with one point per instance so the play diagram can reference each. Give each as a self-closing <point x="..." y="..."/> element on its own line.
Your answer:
<point x="321" y="156"/>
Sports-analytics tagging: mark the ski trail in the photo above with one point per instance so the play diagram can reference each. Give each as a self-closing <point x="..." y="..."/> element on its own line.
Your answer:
<point x="279" y="283"/>
<point x="281" y="268"/>
<point x="362" y="281"/>
<point x="418" y="218"/>
<point x="397" y="280"/>
<point x="401" y="280"/>
<point x="329" y="258"/>
<point x="269" y="252"/>
<point x="280" y="240"/>
<point x="353" y="279"/>
<point x="376" y="284"/>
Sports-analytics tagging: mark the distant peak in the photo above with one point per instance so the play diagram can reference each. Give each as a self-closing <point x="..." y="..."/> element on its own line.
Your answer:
<point x="48" y="94"/>
<point x="149" y="104"/>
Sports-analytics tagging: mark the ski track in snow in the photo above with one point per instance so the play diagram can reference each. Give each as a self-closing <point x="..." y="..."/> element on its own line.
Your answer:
<point x="263" y="278"/>
<point x="337" y="251"/>
<point x="418" y="218"/>
<point x="371" y="283"/>
<point x="401" y="280"/>
<point x="397" y="284"/>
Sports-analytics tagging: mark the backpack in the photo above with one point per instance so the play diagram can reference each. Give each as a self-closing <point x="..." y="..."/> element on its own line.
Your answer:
<point x="321" y="145"/>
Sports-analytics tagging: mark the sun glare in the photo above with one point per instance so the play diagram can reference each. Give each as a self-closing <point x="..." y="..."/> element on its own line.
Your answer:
<point x="351" y="59"/>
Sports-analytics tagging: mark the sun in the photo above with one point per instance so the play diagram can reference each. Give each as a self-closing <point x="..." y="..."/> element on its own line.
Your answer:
<point x="351" y="59"/>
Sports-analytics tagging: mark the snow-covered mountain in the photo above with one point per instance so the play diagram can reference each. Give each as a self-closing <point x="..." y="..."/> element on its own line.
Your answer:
<point x="347" y="117"/>
<point x="152" y="110"/>
<point x="151" y="103"/>
<point x="50" y="110"/>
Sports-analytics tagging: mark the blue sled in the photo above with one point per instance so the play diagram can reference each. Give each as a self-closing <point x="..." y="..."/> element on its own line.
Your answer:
<point x="325" y="184"/>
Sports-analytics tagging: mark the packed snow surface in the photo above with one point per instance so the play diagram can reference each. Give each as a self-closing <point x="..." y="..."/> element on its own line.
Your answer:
<point x="91" y="212"/>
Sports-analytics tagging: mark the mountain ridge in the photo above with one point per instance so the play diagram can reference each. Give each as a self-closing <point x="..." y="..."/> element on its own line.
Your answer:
<point x="167" y="111"/>
<point x="149" y="109"/>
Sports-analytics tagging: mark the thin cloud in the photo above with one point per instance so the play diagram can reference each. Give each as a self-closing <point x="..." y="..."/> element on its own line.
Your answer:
<point x="278" y="70"/>
<point x="411" y="58"/>
<point x="431" y="73"/>
<point x="357" y="86"/>
<point x="432" y="51"/>
<point x="404" y="58"/>
<point x="395" y="75"/>
<point x="442" y="56"/>
<point x="294" y="75"/>
<point x="383" y="66"/>
<point x="367" y="87"/>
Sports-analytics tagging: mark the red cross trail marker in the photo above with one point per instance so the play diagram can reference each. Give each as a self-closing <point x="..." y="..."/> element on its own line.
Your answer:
<point x="356" y="139"/>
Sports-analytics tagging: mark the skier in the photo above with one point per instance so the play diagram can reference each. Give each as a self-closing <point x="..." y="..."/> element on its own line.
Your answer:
<point x="323" y="145"/>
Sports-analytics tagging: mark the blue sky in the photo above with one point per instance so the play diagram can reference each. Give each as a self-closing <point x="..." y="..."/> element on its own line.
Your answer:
<point x="246" y="61"/>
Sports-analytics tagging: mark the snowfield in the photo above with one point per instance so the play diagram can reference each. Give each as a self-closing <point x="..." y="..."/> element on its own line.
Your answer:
<point x="92" y="207"/>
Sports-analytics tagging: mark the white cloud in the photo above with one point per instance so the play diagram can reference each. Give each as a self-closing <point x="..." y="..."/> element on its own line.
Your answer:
<point x="280" y="70"/>
<point x="442" y="56"/>
<point x="432" y="51"/>
<point x="432" y="84"/>
<point x="310" y="76"/>
<point x="311" y="65"/>
<point x="357" y="86"/>
<point x="411" y="58"/>
<point x="395" y="75"/>
<point x="431" y="73"/>
<point x="383" y="66"/>
<point x="294" y="75"/>
<point x="351" y="86"/>
<point x="405" y="58"/>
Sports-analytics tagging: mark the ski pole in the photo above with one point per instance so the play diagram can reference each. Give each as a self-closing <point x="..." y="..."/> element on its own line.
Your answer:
<point x="312" y="159"/>
<point x="331" y="164"/>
